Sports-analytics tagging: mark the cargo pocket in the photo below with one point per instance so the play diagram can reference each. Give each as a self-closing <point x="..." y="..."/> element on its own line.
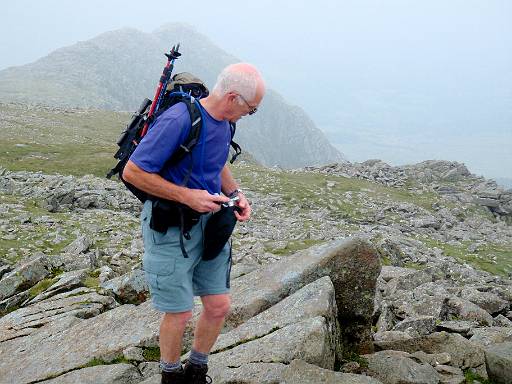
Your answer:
<point x="155" y="270"/>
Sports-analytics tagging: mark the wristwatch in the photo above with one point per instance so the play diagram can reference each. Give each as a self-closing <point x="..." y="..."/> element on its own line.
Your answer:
<point x="235" y="193"/>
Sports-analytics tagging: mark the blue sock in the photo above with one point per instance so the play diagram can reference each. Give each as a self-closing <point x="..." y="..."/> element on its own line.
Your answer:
<point x="170" y="367"/>
<point x="198" y="358"/>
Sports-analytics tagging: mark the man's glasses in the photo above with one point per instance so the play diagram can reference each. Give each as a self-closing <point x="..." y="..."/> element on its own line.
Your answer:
<point x="252" y="110"/>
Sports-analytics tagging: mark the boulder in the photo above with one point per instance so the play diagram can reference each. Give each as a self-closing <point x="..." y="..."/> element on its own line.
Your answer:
<point x="80" y="245"/>
<point x="407" y="282"/>
<point x="464" y="354"/>
<point x="396" y="367"/>
<point x="353" y="266"/>
<point x="25" y="276"/>
<point x="100" y="374"/>
<point x="466" y="310"/>
<point x="131" y="288"/>
<point x="315" y="299"/>
<point x="299" y="371"/>
<point x="66" y="282"/>
<point x="488" y="301"/>
<point x="498" y="358"/>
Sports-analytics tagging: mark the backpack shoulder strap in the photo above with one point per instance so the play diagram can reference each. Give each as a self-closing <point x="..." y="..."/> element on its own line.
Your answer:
<point x="235" y="146"/>
<point x="194" y="133"/>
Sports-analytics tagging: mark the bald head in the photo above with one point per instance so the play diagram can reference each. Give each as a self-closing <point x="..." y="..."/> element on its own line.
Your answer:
<point x="241" y="78"/>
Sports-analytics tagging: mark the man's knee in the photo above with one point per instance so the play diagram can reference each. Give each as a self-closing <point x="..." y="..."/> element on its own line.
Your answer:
<point x="216" y="306"/>
<point x="179" y="319"/>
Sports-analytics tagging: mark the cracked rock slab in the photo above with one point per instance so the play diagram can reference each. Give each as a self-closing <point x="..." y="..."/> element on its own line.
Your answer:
<point x="353" y="266"/>
<point x="309" y="340"/>
<point x="100" y="374"/>
<point x="315" y="299"/>
<point x="301" y="372"/>
<point x="88" y="305"/>
<point x="104" y="337"/>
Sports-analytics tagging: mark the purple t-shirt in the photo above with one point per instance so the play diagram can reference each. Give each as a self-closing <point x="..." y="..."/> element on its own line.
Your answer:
<point x="168" y="132"/>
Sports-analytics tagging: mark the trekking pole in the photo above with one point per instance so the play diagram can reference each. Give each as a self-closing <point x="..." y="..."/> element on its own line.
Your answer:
<point x="162" y="84"/>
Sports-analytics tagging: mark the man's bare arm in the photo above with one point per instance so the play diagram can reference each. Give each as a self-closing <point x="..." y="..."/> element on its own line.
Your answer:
<point x="229" y="185"/>
<point x="154" y="184"/>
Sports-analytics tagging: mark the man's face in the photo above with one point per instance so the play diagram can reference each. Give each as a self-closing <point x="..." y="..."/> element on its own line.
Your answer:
<point x="242" y="107"/>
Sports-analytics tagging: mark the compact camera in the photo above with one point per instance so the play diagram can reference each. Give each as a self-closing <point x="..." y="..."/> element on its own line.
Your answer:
<point x="231" y="202"/>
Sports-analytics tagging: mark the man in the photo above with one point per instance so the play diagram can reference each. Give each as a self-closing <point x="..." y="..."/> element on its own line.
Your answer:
<point x="174" y="279"/>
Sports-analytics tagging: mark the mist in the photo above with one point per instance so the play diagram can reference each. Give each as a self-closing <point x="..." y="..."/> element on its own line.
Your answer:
<point x="396" y="80"/>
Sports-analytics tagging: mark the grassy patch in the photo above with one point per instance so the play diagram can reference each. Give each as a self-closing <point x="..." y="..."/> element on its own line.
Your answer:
<point x="151" y="354"/>
<point x="493" y="258"/>
<point x="353" y="356"/>
<point x="41" y="286"/>
<point x="472" y="377"/>
<point x="293" y="246"/>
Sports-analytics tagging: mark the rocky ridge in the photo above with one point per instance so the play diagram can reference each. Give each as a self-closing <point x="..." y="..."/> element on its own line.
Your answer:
<point x="71" y="264"/>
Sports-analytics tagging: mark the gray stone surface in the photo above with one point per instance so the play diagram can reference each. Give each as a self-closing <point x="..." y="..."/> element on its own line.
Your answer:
<point x="250" y="373"/>
<point x="309" y="340"/>
<point x="491" y="335"/>
<point x="391" y="336"/>
<point x="353" y="266"/>
<point x="423" y="325"/>
<point x="67" y="347"/>
<point x="407" y="282"/>
<point x="498" y="358"/>
<point x="301" y="372"/>
<point x="466" y="310"/>
<point x="100" y="374"/>
<point x="389" y="272"/>
<point x="396" y="367"/>
<point x="433" y="359"/>
<point x="457" y="326"/>
<point x="464" y="354"/>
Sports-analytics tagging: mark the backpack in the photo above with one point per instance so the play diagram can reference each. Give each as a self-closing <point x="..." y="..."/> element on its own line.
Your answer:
<point x="182" y="87"/>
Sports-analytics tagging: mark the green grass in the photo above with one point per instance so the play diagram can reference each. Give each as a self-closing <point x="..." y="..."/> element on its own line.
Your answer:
<point x="151" y="354"/>
<point x="41" y="286"/>
<point x="493" y="258"/>
<point x="471" y="377"/>
<point x="293" y="246"/>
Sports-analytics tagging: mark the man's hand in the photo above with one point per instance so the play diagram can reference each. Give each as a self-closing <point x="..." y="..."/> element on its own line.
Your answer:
<point x="202" y="201"/>
<point x="244" y="212"/>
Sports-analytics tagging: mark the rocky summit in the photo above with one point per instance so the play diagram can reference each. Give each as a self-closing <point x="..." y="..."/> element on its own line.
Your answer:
<point x="347" y="273"/>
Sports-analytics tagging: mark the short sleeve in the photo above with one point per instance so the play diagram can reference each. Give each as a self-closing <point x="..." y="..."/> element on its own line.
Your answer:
<point x="162" y="139"/>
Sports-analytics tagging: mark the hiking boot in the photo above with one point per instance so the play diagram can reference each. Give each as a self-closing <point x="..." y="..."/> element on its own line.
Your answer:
<point x="173" y="377"/>
<point x="196" y="374"/>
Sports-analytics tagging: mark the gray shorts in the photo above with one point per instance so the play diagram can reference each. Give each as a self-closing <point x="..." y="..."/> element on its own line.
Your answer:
<point x="173" y="279"/>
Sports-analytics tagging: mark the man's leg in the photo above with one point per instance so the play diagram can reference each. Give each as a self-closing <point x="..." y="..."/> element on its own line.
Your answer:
<point x="171" y="335"/>
<point x="211" y="320"/>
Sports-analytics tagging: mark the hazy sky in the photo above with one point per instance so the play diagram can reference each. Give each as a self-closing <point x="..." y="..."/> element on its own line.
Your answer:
<point x="403" y="81"/>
